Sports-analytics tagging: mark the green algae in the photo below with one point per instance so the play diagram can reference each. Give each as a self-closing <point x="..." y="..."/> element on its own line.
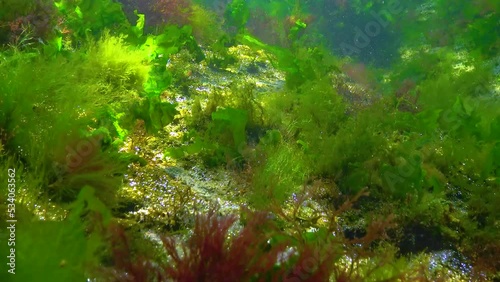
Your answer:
<point x="182" y="120"/>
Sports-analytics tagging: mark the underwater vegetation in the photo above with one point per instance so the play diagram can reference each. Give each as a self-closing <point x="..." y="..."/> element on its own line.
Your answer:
<point x="233" y="140"/>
